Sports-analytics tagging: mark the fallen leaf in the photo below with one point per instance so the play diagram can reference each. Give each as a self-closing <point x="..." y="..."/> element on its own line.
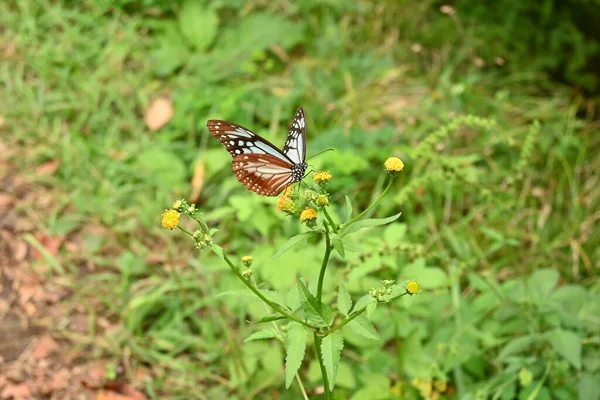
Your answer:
<point x="44" y="347"/>
<point x="51" y="244"/>
<point x="48" y="168"/>
<point x="197" y="182"/>
<point x="159" y="113"/>
<point x="6" y="201"/>
<point x="61" y="380"/>
<point x="16" y="391"/>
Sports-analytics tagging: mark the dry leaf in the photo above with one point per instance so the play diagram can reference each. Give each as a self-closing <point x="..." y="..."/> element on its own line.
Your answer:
<point x="159" y="113"/>
<point x="50" y="243"/>
<point x="95" y="374"/>
<point x="19" y="250"/>
<point x="48" y="168"/>
<point x="197" y="182"/>
<point x="125" y="392"/>
<point x="44" y="347"/>
<point x="16" y="391"/>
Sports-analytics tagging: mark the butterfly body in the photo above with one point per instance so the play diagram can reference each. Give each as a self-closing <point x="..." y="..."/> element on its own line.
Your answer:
<point x="257" y="163"/>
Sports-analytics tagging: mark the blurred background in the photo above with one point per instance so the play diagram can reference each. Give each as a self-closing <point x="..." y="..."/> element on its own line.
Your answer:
<point x="103" y="106"/>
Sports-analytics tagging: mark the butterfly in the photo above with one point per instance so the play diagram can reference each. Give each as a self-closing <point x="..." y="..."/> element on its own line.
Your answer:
<point x="257" y="163"/>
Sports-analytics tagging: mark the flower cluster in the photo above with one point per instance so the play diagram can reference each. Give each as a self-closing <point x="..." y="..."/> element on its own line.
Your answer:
<point x="170" y="220"/>
<point x="380" y="293"/>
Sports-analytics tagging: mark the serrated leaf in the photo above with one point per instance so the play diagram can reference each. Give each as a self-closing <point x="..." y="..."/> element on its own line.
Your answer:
<point x="363" y="302"/>
<point x="348" y="209"/>
<point x="218" y="250"/>
<point x="568" y="345"/>
<point x="367" y="223"/>
<point x="198" y="24"/>
<point x="317" y="313"/>
<point x="331" y="348"/>
<point x="268" y="318"/>
<point x="364" y="327"/>
<point x="344" y="301"/>
<point x="338" y="245"/>
<point x="295" y="347"/>
<point x="371" y="309"/>
<point x="519" y="344"/>
<point x="262" y="334"/>
<point x="293" y="241"/>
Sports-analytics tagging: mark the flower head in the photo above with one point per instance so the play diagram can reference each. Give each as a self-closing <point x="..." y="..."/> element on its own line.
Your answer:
<point x="247" y="260"/>
<point x="412" y="287"/>
<point x="177" y="205"/>
<point x="393" y="165"/>
<point x="170" y="219"/>
<point x="322" y="177"/>
<point x="322" y="200"/>
<point x="308" y="214"/>
<point x="247" y="273"/>
<point x="287" y="205"/>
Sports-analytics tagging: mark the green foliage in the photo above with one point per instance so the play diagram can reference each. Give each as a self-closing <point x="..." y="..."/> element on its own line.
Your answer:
<point x="498" y="218"/>
<point x="296" y="338"/>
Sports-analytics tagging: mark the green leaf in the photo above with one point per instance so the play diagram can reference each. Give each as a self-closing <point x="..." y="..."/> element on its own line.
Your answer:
<point x="198" y="24"/>
<point x="317" y="313"/>
<point x="268" y="318"/>
<point x="295" y="347"/>
<point x="338" y="245"/>
<point x="218" y="250"/>
<point x="262" y="334"/>
<point x="331" y="348"/>
<point x="363" y="302"/>
<point x="519" y="344"/>
<point x="367" y="223"/>
<point x="364" y="327"/>
<point x="371" y="309"/>
<point x="567" y="344"/>
<point x="344" y="301"/>
<point x="588" y="388"/>
<point x="293" y="241"/>
<point x="348" y="209"/>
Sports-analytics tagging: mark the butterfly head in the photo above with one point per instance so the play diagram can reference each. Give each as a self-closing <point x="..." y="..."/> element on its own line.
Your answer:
<point x="298" y="171"/>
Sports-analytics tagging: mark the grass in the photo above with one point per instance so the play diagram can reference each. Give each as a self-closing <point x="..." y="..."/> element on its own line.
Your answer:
<point x="74" y="84"/>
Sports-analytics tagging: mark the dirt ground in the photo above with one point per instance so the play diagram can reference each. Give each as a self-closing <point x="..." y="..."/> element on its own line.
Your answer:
<point x="40" y="356"/>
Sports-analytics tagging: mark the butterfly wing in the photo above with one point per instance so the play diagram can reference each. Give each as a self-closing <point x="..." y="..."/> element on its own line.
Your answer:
<point x="239" y="140"/>
<point x="264" y="174"/>
<point x="295" y="145"/>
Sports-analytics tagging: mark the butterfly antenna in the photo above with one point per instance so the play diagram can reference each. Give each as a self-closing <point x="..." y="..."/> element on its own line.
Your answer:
<point x="324" y="151"/>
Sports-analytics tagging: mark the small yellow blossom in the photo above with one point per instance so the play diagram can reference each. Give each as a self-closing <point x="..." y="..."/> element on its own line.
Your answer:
<point x="247" y="260"/>
<point x="286" y="204"/>
<point x="247" y="273"/>
<point x="322" y="176"/>
<point x="322" y="200"/>
<point x="308" y="215"/>
<point x="170" y="219"/>
<point x="393" y="165"/>
<point x="412" y="287"/>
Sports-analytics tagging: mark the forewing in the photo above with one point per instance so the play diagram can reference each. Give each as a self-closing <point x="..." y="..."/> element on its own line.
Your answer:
<point x="295" y="145"/>
<point x="239" y="140"/>
<point x="262" y="173"/>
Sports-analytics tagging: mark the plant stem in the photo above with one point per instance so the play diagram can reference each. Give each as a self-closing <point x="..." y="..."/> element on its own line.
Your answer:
<point x="391" y="180"/>
<point x="324" y="264"/>
<point x="257" y="292"/>
<point x="323" y="372"/>
<point x="334" y="226"/>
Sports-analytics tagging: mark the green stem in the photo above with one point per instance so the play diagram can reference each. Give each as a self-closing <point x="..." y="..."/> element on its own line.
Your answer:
<point x="257" y="292"/>
<point x="323" y="372"/>
<point x="334" y="226"/>
<point x="391" y="180"/>
<point x="324" y="264"/>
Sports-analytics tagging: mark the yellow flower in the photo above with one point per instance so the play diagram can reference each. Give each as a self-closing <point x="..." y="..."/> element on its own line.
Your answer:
<point x="286" y="204"/>
<point x="322" y="176"/>
<point x="247" y="260"/>
<point x="170" y="219"/>
<point x="308" y="215"/>
<point x="393" y="165"/>
<point x="440" y="385"/>
<point x="247" y="273"/>
<point x="412" y="287"/>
